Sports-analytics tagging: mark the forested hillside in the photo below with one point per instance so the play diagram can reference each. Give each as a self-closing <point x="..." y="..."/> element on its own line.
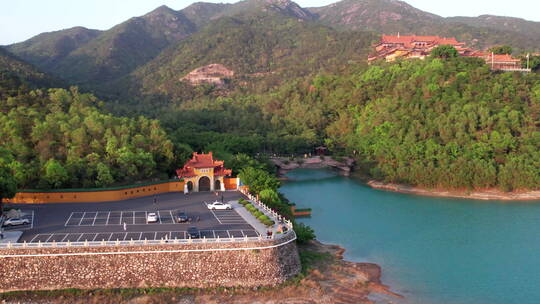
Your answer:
<point x="245" y="45"/>
<point x="60" y="138"/>
<point x="433" y="123"/>
<point x="47" y="49"/>
<point x="15" y="72"/>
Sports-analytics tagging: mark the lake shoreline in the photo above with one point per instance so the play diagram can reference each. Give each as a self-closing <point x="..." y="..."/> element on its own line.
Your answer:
<point x="488" y="194"/>
<point x="369" y="274"/>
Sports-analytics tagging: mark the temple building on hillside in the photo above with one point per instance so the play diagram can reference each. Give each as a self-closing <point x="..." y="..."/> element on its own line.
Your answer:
<point x="392" y="47"/>
<point x="502" y="62"/>
<point x="204" y="173"/>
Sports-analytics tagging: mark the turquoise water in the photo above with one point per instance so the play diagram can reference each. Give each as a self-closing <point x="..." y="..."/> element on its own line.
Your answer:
<point x="431" y="250"/>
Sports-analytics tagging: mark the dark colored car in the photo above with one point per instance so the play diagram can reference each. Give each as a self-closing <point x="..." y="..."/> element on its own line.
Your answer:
<point x="181" y="217"/>
<point x="193" y="233"/>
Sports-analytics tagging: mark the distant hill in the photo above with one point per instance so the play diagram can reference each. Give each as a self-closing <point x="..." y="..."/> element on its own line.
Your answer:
<point x="13" y="69"/>
<point x="523" y="27"/>
<point x="47" y="49"/>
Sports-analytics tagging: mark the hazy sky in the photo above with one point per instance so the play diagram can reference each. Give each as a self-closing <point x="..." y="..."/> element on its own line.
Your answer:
<point x="23" y="19"/>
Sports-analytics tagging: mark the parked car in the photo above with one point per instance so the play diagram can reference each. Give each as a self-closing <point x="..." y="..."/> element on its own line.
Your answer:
<point x="193" y="233"/>
<point x="219" y="206"/>
<point x="16" y="222"/>
<point x="151" y="217"/>
<point x="181" y="217"/>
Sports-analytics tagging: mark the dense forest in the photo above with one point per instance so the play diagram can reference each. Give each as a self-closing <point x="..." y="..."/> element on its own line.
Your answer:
<point x="60" y="138"/>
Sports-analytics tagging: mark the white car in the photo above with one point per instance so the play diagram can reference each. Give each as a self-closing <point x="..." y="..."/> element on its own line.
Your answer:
<point x="219" y="206"/>
<point x="16" y="222"/>
<point x="151" y="217"/>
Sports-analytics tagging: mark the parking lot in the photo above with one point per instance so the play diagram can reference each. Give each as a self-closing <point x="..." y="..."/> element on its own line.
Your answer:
<point x="61" y="222"/>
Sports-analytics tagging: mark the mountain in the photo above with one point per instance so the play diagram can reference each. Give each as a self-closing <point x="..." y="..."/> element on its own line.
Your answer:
<point x="517" y="25"/>
<point x="97" y="60"/>
<point x="14" y="70"/>
<point x="260" y="46"/>
<point x="202" y="13"/>
<point x="124" y="47"/>
<point x="284" y="7"/>
<point x="394" y="16"/>
<point x="383" y="16"/>
<point x="47" y="49"/>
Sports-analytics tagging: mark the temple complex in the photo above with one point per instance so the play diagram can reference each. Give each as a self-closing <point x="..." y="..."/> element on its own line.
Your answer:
<point x="391" y="48"/>
<point x="204" y="173"/>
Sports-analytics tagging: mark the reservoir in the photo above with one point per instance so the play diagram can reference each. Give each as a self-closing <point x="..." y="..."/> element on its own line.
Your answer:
<point x="431" y="249"/>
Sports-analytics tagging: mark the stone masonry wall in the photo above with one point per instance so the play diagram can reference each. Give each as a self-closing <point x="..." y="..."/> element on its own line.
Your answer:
<point x="153" y="268"/>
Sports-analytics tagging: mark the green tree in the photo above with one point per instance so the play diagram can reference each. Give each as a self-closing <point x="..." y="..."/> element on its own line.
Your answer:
<point x="444" y="52"/>
<point x="258" y="180"/>
<point x="104" y="176"/>
<point x="55" y="175"/>
<point x="501" y="50"/>
<point x="8" y="183"/>
<point x="304" y="233"/>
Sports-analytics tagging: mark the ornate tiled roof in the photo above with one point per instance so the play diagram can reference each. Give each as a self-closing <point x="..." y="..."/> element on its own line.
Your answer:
<point x="408" y="41"/>
<point x="201" y="161"/>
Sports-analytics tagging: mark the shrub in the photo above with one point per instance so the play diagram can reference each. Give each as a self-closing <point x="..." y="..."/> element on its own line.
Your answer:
<point x="304" y="233"/>
<point x="268" y="222"/>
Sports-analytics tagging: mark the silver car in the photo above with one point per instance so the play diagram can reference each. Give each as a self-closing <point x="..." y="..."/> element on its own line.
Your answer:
<point x="16" y="222"/>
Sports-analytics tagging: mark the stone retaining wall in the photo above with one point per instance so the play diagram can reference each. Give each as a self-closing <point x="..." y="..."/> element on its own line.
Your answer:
<point x="227" y="265"/>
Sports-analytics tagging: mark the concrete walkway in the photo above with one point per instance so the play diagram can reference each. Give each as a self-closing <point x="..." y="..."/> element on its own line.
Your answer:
<point x="253" y="221"/>
<point x="11" y="236"/>
<point x="249" y="218"/>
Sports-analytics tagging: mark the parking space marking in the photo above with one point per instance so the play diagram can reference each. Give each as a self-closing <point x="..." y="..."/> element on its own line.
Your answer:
<point x="69" y="218"/>
<point x="136" y="236"/>
<point x="115" y="218"/>
<point x="82" y="218"/>
<point x="215" y="216"/>
<point x="95" y="217"/>
<point x="228" y="217"/>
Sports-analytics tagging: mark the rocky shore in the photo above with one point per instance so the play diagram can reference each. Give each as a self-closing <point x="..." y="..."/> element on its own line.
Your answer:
<point x="328" y="279"/>
<point x="284" y="164"/>
<point x="488" y="194"/>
